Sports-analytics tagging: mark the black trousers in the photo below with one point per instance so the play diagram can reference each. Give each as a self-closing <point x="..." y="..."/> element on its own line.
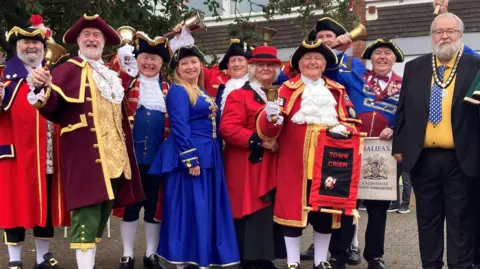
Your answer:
<point x="442" y="192"/>
<point x="151" y="185"/>
<point x="15" y="236"/>
<point x="407" y="187"/>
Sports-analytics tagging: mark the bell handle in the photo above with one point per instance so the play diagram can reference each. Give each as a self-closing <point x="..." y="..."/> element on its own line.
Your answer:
<point x="437" y="10"/>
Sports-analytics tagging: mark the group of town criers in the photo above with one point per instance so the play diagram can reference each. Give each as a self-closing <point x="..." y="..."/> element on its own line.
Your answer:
<point x="223" y="168"/>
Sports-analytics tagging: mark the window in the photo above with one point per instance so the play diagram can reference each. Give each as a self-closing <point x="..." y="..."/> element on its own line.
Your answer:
<point x="244" y="6"/>
<point x="201" y="6"/>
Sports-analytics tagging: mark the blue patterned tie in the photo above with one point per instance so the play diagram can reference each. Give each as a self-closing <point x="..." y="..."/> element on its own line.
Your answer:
<point x="436" y="99"/>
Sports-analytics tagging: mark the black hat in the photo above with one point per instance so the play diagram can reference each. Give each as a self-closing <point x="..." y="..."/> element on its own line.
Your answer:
<point x="326" y="23"/>
<point x="159" y="45"/>
<point x="183" y="52"/>
<point x="237" y="48"/>
<point x="313" y="46"/>
<point x="17" y="33"/>
<point x="386" y="43"/>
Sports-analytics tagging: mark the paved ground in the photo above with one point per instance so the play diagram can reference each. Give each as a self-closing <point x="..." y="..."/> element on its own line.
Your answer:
<point x="401" y="246"/>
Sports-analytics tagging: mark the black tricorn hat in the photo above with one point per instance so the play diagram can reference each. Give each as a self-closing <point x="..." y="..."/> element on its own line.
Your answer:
<point x="313" y="46"/>
<point x="237" y="48"/>
<point x="17" y="33"/>
<point x="386" y="43"/>
<point x="183" y="52"/>
<point x="144" y="44"/>
<point x="326" y="23"/>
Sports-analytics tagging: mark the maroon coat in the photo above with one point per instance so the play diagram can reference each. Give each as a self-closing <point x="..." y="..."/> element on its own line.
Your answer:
<point x="69" y="103"/>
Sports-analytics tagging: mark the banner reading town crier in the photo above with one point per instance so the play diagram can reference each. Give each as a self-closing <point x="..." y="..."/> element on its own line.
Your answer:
<point x="378" y="178"/>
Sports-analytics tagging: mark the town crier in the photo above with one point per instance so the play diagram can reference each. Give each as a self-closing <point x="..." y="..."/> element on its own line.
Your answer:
<point x="99" y="167"/>
<point x="145" y="100"/>
<point x="30" y="192"/>
<point x="306" y="105"/>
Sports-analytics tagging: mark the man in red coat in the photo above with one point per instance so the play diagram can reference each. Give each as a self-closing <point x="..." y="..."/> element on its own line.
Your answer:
<point x="86" y="99"/>
<point x="307" y="104"/>
<point x="30" y="190"/>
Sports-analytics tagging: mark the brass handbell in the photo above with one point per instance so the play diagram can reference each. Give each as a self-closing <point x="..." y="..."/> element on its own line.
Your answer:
<point x="194" y="23"/>
<point x="127" y="34"/>
<point x="268" y="34"/>
<point x="358" y="33"/>
<point x="54" y="53"/>
<point x="272" y="96"/>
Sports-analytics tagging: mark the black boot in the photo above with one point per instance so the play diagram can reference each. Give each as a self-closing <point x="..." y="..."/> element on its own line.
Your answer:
<point x="377" y="263"/>
<point x="309" y="254"/>
<point x="49" y="262"/>
<point x="15" y="265"/>
<point x="354" y="256"/>
<point x="127" y="263"/>
<point x="152" y="262"/>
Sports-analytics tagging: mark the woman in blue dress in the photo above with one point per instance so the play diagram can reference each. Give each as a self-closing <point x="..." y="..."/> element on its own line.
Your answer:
<point x="197" y="223"/>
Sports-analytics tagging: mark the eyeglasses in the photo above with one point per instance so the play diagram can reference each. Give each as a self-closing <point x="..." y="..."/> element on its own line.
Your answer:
<point x="449" y="32"/>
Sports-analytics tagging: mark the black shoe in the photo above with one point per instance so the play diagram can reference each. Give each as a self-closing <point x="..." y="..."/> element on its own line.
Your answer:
<point x="335" y="264"/>
<point x="49" y="262"/>
<point x="404" y="209"/>
<point x="377" y="263"/>
<point x="262" y="264"/>
<point x="393" y="207"/>
<point x="127" y="263"/>
<point x="354" y="255"/>
<point x="153" y="262"/>
<point x="15" y="265"/>
<point x="309" y="254"/>
<point x="323" y="265"/>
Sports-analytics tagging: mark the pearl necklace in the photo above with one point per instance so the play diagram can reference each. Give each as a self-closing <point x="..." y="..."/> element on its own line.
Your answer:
<point x="447" y="83"/>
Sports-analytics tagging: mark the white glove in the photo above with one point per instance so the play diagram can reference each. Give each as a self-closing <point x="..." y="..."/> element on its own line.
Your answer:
<point x="131" y="66"/>
<point x="273" y="109"/>
<point x="35" y="98"/>
<point x="339" y="129"/>
<point x="183" y="40"/>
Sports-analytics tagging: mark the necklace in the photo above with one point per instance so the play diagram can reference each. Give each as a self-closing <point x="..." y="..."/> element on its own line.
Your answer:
<point x="447" y="83"/>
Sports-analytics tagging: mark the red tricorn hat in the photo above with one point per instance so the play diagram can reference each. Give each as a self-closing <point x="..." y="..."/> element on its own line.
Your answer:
<point x="111" y="36"/>
<point x="264" y="54"/>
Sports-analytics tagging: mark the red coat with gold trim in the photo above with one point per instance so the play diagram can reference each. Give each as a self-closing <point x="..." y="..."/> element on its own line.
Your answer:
<point x="23" y="159"/>
<point x="249" y="169"/>
<point x="213" y="78"/>
<point x="295" y="142"/>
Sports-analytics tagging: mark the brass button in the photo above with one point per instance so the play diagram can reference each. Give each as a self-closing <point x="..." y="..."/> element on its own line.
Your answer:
<point x="259" y="144"/>
<point x="89" y="99"/>
<point x="148" y="113"/>
<point x="98" y="161"/>
<point x="95" y="146"/>
<point x="90" y="114"/>
<point x="260" y="158"/>
<point x="92" y="130"/>
<point x="83" y="233"/>
<point x="70" y="126"/>
<point x="83" y="238"/>
<point x="251" y="142"/>
<point x="83" y="226"/>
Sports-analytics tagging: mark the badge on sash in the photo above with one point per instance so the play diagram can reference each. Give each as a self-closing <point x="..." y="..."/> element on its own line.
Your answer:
<point x="351" y="112"/>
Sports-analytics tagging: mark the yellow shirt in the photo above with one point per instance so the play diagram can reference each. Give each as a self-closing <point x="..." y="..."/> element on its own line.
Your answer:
<point x="441" y="135"/>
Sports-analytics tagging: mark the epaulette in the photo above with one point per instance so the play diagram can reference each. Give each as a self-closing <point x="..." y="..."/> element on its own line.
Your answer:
<point x="293" y="85"/>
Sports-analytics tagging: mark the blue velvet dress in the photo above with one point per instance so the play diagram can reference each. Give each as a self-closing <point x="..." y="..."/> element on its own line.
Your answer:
<point x="197" y="222"/>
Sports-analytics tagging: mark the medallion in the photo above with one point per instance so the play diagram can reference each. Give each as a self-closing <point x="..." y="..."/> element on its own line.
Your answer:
<point x="444" y="93"/>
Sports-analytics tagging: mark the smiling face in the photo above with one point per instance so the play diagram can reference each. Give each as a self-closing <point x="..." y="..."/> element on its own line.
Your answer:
<point x="265" y="73"/>
<point x="30" y="51"/>
<point x="149" y="64"/>
<point x="382" y="61"/>
<point x="189" y="69"/>
<point x="237" y="66"/>
<point x="327" y="37"/>
<point x="91" y="42"/>
<point x="312" y="65"/>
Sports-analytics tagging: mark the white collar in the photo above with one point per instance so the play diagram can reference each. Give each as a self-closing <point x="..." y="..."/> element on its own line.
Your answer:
<point x="149" y="79"/>
<point x="318" y="82"/>
<point x="244" y="78"/>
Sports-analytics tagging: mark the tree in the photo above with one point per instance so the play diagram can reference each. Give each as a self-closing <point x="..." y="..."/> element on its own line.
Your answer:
<point x="153" y="16"/>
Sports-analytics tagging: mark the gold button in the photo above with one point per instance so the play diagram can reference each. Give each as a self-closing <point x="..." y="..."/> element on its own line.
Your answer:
<point x="83" y="233"/>
<point x="90" y="114"/>
<point x="259" y="159"/>
<point x="89" y="99"/>
<point x="95" y="146"/>
<point x="259" y="144"/>
<point x="98" y="161"/>
<point x="83" y="238"/>
<point x="83" y="226"/>
<point x="251" y="142"/>
<point x="70" y="126"/>
<point x="92" y="130"/>
<point x="148" y="113"/>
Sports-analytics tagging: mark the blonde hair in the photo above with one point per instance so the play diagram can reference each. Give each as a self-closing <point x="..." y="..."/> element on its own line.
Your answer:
<point x="193" y="91"/>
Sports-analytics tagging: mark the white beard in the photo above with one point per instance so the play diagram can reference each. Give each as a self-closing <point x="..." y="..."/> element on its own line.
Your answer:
<point x="447" y="52"/>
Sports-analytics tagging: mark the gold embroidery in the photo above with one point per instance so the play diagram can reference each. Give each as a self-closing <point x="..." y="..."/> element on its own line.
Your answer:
<point x="73" y="127"/>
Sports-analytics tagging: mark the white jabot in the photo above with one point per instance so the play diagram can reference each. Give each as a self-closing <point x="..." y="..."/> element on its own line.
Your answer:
<point x="257" y="87"/>
<point x="231" y="85"/>
<point x="151" y="94"/>
<point x="106" y="80"/>
<point x="317" y="106"/>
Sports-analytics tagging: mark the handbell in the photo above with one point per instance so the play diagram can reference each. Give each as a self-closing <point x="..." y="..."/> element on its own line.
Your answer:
<point x="54" y="53"/>
<point x="127" y="34"/>
<point x="272" y="96"/>
<point x="358" y="33"/>
<point x="194" y="24"/>
<point x="268" y="34"/>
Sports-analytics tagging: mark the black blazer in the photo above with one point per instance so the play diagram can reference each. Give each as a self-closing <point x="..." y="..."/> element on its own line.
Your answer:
<point x="413" y="111"/>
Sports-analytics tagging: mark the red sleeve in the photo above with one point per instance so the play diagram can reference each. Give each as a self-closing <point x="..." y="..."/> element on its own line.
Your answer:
<point x="233" y="121"/>
<point x="267" y="130"/>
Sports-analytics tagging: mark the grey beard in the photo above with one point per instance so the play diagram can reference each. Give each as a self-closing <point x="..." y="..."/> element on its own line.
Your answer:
<point x="32" y="61"/>
<point x="447" y="53"/>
